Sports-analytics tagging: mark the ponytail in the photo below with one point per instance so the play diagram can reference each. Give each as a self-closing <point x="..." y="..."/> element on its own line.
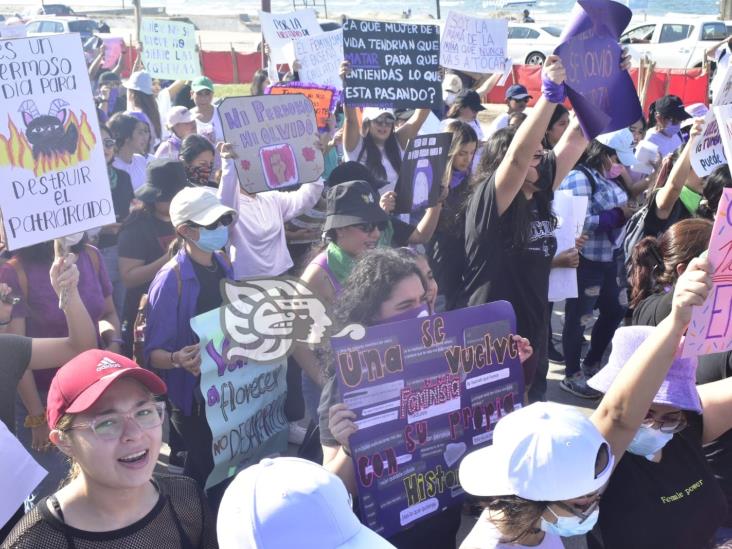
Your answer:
<point x="646" y="263"/>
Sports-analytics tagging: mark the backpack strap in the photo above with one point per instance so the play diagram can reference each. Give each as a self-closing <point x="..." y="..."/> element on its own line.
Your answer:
<point x="588" y="174"/>
<point x="17" y="266"/>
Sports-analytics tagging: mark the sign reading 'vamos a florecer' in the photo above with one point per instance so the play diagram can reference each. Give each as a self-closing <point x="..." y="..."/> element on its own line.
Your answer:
<point x="52" y="164"/>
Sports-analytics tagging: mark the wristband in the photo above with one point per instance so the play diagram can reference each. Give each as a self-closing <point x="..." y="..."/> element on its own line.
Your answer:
<point x="31" y="422"/>
<point x="554" y="93"/>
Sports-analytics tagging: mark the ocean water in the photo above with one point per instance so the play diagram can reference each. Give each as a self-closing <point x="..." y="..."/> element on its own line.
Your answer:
<point x="421" y="8"/>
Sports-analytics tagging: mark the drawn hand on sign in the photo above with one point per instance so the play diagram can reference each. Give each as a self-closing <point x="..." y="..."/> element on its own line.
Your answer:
<point x="340" y="423"/>
<point x="388" y="201"/>
<point x="692" y="289"/>
<point x="188" y="358"/>
<point x="525" y="350"/>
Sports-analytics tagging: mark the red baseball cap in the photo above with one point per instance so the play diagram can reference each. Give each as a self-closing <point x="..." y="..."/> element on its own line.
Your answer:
<point x="81" y="381"/>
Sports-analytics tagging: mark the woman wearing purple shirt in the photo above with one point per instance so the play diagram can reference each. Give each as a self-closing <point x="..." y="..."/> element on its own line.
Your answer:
<point x="187" y="286"/>
<point x="38" y="315"/>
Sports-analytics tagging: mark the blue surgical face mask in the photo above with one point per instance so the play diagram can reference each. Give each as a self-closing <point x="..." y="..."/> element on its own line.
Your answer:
<point x="569" y="526"/>
<point x="212" y="240"/>
<point x="648" y="441"/>
<point x="671" y="130"/>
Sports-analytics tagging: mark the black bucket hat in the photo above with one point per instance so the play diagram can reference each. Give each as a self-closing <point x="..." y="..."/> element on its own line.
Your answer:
<point x="164" y="179"/>
<point x="469" y="98"/>
<point x="352" y="203"/>
<point x="353" y="171"/>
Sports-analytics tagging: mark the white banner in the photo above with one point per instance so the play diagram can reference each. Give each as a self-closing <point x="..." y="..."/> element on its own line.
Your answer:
<point x="169" y="49"/>
<point x="708" y="153"/>
<point x="320" y="58"/>
<point x="474" y="44"/>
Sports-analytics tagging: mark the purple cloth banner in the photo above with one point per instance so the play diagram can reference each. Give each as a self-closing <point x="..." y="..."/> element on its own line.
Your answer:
<point x="603" y="95"/>
<point x="425" y="392"/>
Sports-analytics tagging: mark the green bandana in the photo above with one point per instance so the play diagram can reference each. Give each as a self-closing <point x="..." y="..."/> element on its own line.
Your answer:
<point x="386" y="237"/>
<point x="339" y="262"/>
<point x="690" y="199"/>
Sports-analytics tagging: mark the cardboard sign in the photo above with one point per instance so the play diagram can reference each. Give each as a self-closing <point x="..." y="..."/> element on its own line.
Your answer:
<point x="323" y="98"/>
<point x="570" y="212"/>
<point x="425" y="392"/>
<point x="51" y="157"/>
<point x="393" y="65"/>
<point x="279" y="29"/>
<point x="708" y="153"/>
<point x="423" y="170"/>
<point x="274" y="138"/>
<point x="169" y="49"/>
<point x="245" y="403"/>
<point x="722" y="88"/>
<point x="474" y="44"/>
<point x="710" y="330"/>
<point x="320" y="58"/>
<point x="604" y="97"/>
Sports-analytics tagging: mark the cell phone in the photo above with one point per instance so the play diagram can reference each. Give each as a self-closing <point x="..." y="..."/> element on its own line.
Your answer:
<point x="10" y="299"/>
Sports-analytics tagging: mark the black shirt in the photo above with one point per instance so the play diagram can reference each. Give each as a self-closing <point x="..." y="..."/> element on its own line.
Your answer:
<point x="654" y="226"/>
<point x="122" y="196"/>
<point x="497" y="269"/>
<point x="209" y="280"/>
<point x="16" y="353"/>
<point x="673" y="504"/>
<point x="402" y="232"/>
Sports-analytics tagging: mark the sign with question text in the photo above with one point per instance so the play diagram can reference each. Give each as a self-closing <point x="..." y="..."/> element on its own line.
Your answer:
<point x="425" y="391"/>
<point x="52" y="163"/>
<point x="474" y="44"/>
<point x="245" y="402"/>
<point x="274" y="138"/>
<point x="393" y="65"/>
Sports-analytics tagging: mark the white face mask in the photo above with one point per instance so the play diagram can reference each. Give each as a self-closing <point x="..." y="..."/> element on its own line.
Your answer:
<point x="71" y="240"/>
<point x="569" y="526"/>
<point x="449" y="98"/>
<point x="648" y="441"/>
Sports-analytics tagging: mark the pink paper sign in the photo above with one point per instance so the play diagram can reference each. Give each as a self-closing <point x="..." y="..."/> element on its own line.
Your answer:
<point x="710" y="330"/>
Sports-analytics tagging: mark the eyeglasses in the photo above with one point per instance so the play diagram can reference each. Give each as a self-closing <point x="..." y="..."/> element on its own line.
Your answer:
<point x="670" y="423"/>
<point x="369" y="228"/>
<point x="111" y="426"/>
<point x="383" y="122"/>
<point x="108" y="143"/>
<point x="582" y="512"/>
<point x="224" y="221"/>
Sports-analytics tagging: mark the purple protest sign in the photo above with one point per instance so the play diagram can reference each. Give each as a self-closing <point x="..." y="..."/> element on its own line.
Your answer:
<point x="425" y="392"/>
<point x="591" y="56"/>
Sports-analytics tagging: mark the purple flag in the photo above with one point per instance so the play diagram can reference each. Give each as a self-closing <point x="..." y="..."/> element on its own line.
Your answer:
<point x="603" y="95"/>
<point x="425" y="392"/>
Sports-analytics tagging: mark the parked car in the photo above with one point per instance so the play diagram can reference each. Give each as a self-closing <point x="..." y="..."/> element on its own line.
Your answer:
<point x="531" y="43"/>
<point x="55" y="9"/>
<point x="675" y="43"/>
<point x="55" y="25"/>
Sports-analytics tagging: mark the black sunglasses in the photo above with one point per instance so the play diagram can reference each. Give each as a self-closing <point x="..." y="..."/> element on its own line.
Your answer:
<point x="368" y="228"/>
<point x="224" y="221"/>
<point x="108" y="143"/>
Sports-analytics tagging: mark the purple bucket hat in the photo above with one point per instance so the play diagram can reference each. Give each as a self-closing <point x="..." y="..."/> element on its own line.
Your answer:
<point x="677" y="390"/>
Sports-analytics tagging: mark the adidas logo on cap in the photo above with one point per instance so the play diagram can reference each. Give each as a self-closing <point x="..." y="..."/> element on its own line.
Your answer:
<point x="107" y="363"/>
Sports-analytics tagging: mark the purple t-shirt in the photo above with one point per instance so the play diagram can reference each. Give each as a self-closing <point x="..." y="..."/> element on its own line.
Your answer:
<point x="43" y="318"/>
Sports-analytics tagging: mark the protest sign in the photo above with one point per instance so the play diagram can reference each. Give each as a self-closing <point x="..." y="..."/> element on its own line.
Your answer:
<point x="21" y="474"/>
<point x="425" y="392"/>
<point x="393" y="65"/>
<point x="474" y="44"/>
<point x="51" y="157"/>
<point x="279" y="29"/>
<point x="591" y="56"/>
<point x="245" y="402"/>
<point x="113" y="47"/>
<point x="274" y="138"/>
<point x="323" y="98"/>
<point x="708" y="153"/>
<point x="710" y="330"/>
<point x="423" y="169"/>
<point x="169" y="49"/>
<point x="320" y="58"/>
<point x="723" y="115"/>
<point x="570" y="212"/>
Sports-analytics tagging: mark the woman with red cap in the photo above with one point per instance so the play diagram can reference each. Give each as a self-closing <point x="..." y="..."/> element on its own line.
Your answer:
<point x="103" y="414"/>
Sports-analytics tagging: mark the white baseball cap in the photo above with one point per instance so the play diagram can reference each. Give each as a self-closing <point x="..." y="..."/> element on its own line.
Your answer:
<point x="140" y="81"/>
<point x="198" y="205"/>
<point x="372" y="113"/>
<point x="542" y="452"/>
<point x="179" y="115"/>
<point x="290" y="502"/>
<point x="621" y="142"/>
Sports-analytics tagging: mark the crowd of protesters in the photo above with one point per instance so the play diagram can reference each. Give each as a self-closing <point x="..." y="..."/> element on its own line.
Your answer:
<point x="92" y="389"/>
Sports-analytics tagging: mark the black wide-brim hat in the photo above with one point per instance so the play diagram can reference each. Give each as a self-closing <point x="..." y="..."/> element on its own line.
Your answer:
<point x="165" y="178"/>
<point x="352" y="203"/>
<point x="353" y="171"/>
